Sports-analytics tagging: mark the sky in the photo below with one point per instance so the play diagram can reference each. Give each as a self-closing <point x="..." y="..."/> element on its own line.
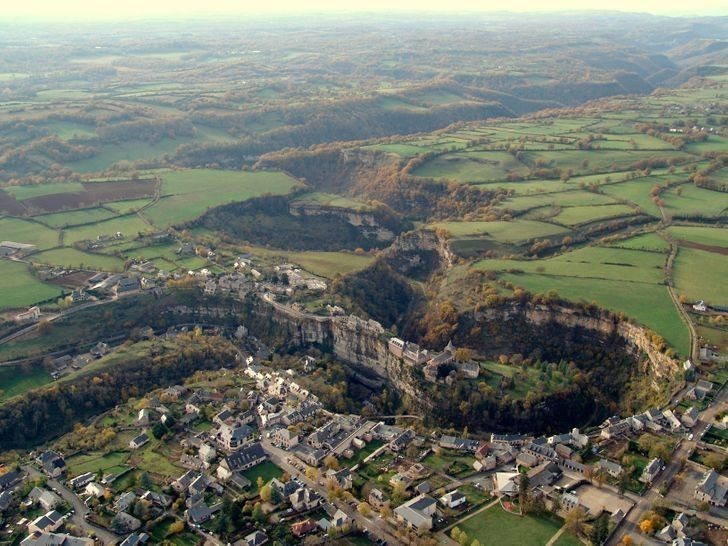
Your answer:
<point x="125" y="9"/>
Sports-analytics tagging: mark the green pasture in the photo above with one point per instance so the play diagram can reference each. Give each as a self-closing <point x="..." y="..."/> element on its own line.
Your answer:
<point x="647" y="241"/>
<point x="188" y="194"/>
<point x="695" y="201"/>
<point x="507" y="232"/>
<point x="130" y="226"/>
<point x="591" y="262"/>
<point x="38" y="190"/>
<point x="93" y="462"/>
<point x="130" y="205"/>
<point x="20" y="289"/>
<point x="27" y="232"/>
<point x="701" y="275"/>
<point x="15" y="380"/>
<point x="75" y="217"/>
<point x="496" y="526"/>
<point x="403" y="150"/>
<point x="711" y="236"/>
<point x="77" y="259"/>
<point x="331" y="200"/>
<point x="472" y="166"/>
<point x="649" y="304"/>
<point x="596" y="160"/>
<point x="573" y="216"/>
<point x="329" y="264"/>
<point x="563" y="199"/>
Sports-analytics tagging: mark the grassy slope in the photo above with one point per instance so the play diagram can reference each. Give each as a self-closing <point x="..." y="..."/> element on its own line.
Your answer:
<point x="187" y="194"/>
<point x="18" y="288"/>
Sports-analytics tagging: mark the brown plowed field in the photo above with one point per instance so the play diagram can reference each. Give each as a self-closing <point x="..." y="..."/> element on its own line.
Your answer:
<point x="95" y="193"/>
<point x="9" y="205"/>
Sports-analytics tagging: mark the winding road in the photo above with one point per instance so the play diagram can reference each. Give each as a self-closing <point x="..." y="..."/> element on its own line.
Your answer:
<point x="79" y="507"/>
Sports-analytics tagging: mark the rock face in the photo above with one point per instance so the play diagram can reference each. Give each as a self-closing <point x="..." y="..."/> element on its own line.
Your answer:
<point x="418" y="253"/>
<point x="636" y="338"/>
<point x="363" y="344"/>
<point x="366" y="222"/>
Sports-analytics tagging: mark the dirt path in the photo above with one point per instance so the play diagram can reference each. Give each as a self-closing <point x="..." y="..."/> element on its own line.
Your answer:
<point x="694" y="349"/>
<point x="556" y="536"/>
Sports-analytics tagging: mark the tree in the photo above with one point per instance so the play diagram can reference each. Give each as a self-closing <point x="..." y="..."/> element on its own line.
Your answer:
<point x="646" y="526"/>
<point x="575" y="519"/>
<point x="266" y="492"/>
<point x="159" y="430"/>
<point x="364" y="509"/>
<point x="600" y="529"/>
<point x="176" y="527"/>
<point x="258" y="514"/>
<point x="715" y="461"/>
<point x="259" y="482"/>
<point x="144" y="481"/>
<point x="331" y="462"/>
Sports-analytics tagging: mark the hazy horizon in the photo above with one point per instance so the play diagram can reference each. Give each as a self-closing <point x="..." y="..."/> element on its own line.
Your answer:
<point x="140" y="9"/>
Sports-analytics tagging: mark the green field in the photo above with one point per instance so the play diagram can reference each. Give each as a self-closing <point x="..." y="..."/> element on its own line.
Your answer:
<point x="695" y="201"/>
<point x="331" y="200"/>
<point x="130" y="226"/>
<point x="266" y="470"/>
<point x="648" y="304"/>
<point x="75" y="217"/>
<point x="70" y="257"/>
<point x="188" y="194"/>
<point x="37" y="190"/>
<point x="635" y="191"/>
<point x="329" y="264"/>
<point x="701" y="275"/>
<point x="596" y="160"/>
<point x="15" y="380"/>
<point x="647" y="241"/>
<point x="472" y="166"/>
<point x="130" y="205"/>
<point x="20" y="289"/>
<point x="496" y="526"/>
<point x="591" y="262"/>
<point x="528" y="379"/>
<point x="27" y="232"/>
<point x="573" y="216"/>
<point x="513" y="232"/>
<point x="619" y="279"/>
<point x="711" y="236"/>
<point x="563" y="199"/>
<point x="93" y="462"/>
<point x="404" y="150"/>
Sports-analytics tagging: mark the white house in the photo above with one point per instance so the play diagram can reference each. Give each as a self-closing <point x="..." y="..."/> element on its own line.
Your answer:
<point x="453" y="499"/>
<point x="95" y="490"/>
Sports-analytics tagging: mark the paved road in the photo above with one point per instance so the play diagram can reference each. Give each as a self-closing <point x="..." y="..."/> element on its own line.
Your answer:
<point x="58" y="316"/>
<point x="628" y="526"/>
<point x="69" y="496"/>
<point x="375" y="525"/>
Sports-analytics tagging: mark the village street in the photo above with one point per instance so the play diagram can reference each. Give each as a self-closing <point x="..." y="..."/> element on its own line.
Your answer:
<point x="78" y="506"/>
<point x="629" y="525"/>
<point x="375" y="525"/>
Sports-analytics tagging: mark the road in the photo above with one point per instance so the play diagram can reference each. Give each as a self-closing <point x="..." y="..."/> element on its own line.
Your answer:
<point x="629" y="525"/>
<point x="375" y="525"/>
<point x="52" y="318"/>
<point x="694" y="349"/>
<point x="80" y="508"/>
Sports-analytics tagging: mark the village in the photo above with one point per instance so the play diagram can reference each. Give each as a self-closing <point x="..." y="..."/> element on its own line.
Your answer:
<point x="252" y="445"/>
